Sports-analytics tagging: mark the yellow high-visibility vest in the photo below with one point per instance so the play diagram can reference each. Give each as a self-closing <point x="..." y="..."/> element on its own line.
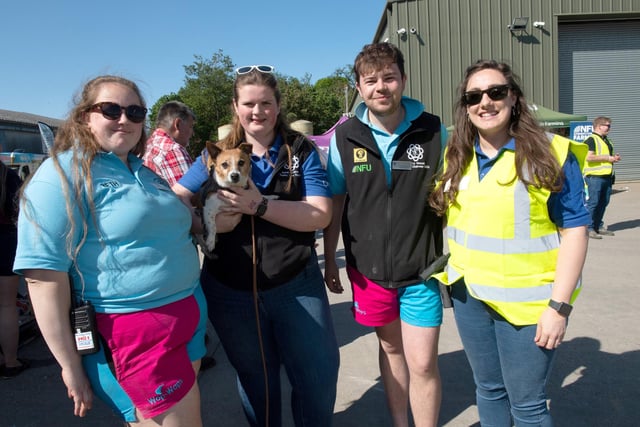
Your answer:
<point x="599" y="168"/>
<point x="502" y="240"/>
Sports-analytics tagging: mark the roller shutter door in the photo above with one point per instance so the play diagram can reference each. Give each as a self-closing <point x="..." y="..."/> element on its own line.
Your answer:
<point x="599" y="75"/>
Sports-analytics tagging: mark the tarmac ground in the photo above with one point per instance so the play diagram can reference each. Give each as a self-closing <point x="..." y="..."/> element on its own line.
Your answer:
<point x="594" y="381"/>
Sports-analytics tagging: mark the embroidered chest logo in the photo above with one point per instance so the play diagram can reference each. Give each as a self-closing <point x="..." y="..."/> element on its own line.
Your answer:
<point x="360" y="161"/>
<point x="110" y="184"/>
<point x="359" y="155"/>
<point x="415" y="153"/>
<point x="295" y="167"/>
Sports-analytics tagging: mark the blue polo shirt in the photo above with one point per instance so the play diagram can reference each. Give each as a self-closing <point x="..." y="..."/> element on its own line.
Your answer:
<point x="138" y="252"/>
<point x="567" y="207"/>
<point x="314" y="175"/>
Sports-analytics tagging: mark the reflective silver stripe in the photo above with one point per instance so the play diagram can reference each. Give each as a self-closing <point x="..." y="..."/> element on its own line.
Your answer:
<point x="452" y="275"/>
<point x="521" y="212"/>
<point x="522" y="243"/>
<point x="456" y="235"/>
<point x="499" y="294"/>
<point x="597" y="168"/>
<point x="495" y="245"/>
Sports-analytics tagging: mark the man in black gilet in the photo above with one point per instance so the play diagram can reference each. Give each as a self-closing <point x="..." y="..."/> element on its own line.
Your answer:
<point x="381" y="169"/>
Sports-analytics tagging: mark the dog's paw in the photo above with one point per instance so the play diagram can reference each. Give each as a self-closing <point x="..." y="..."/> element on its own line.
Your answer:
<point x="200" y="241"/>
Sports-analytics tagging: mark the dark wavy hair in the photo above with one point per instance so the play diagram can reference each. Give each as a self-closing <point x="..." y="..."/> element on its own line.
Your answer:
<point x="376" y="56"/>
<point x="536" y="164"/>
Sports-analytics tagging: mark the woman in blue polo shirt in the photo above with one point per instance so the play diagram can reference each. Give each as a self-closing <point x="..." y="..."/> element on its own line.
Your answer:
<point x="93" y="214"/>
<point x="263" y="284"/>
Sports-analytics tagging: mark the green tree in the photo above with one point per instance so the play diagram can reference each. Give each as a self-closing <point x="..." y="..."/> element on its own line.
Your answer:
<point x="330" y="101"/>
<point x="208" y="90"/>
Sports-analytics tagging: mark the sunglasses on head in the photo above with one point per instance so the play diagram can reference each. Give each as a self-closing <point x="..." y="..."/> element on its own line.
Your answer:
<point x="113" y="111"/>
<point x="496" y="93"/>
<point x="249" y="68"/>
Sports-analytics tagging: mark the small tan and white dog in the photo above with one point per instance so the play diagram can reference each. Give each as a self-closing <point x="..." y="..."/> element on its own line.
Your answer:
<point x="228" y="168"/>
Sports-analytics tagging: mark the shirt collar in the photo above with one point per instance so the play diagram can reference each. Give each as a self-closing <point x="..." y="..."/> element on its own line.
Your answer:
<point x="510" y="145"/>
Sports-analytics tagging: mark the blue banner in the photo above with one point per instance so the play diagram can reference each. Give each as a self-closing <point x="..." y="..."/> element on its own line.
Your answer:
<point x="579" y="131"/>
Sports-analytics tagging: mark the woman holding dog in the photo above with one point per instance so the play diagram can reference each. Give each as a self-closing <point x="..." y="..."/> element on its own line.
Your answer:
<point x="264" y="288"/>
<point x="93" y="214"/>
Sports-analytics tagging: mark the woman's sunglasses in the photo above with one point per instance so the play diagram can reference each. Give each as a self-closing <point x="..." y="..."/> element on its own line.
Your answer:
<point x="249" y="68"/>
<point x="496" y="93"/>
<point x="113" y="111"/>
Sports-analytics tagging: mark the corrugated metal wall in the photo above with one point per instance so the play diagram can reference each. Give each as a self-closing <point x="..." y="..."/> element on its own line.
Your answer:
<point x="451" y="34"/>
<point x="599" y="63"/>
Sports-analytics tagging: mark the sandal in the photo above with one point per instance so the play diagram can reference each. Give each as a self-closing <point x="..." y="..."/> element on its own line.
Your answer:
<point x="10" y="372"/>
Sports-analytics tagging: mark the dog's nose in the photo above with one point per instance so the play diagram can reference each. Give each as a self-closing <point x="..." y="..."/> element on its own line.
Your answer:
<point x="234" y="176"/>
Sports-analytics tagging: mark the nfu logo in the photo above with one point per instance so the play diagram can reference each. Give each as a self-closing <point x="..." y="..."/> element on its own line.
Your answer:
<point x="361" y="168"/>
<point x="415" y="152"/>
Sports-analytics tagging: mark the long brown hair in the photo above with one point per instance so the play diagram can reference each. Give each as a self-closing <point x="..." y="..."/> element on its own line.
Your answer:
<point x="536" y="164"/>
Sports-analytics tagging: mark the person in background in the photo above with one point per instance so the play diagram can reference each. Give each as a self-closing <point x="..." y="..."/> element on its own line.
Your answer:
<point x="516" y="225"/>
<point x="381" y="168"/>
<point x="166" y="152"/>
<point x="11" y="365"/>
<point x="99" y="228"/>
<point x="599" y="175"/>
<point x="264" y="287"/>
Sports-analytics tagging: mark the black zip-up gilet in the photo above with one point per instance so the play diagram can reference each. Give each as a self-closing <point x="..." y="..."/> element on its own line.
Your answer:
<point x="281" y="253"/>
<point x="390" y="234"/>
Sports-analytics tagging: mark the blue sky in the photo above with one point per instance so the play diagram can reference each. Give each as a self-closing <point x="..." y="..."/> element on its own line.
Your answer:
<point x="49" y="49"/>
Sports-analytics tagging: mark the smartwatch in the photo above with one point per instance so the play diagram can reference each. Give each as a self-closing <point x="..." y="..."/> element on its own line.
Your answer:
<point x="262" y="207"/>
<point x="561" y="307"/>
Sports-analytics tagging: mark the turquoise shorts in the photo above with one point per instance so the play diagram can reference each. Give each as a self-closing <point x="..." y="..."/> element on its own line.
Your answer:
<point x="418" y="305"/>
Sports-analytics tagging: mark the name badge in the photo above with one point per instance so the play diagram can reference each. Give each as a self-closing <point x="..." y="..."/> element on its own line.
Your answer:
<point x="401" y="165"/>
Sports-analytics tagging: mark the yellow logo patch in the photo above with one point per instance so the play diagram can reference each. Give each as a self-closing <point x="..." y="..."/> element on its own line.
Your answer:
<point x="359" y="155"/>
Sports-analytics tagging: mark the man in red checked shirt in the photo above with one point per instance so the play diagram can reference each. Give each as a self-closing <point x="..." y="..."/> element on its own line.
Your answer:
<point x="166" y="152"/>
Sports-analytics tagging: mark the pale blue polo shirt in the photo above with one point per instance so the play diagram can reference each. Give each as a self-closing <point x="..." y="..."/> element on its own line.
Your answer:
<point x="387" y="143"/>
<point x="138" y="253"/>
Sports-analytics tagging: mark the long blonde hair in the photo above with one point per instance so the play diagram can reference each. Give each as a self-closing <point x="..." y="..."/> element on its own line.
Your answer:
<point x="75" y="136"/>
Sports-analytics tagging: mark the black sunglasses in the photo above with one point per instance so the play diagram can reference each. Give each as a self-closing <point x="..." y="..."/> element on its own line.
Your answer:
<point x="249" y="68"/>
<point x="113" y="111"/>
<point x="496" y="93"/>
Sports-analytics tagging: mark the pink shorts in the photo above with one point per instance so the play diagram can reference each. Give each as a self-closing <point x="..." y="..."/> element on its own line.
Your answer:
<point x="149" y="350"/>
<point x="373" y="305"/>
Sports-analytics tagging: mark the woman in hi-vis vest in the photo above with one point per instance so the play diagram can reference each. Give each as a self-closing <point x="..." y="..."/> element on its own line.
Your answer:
<point x="513" y="196"/>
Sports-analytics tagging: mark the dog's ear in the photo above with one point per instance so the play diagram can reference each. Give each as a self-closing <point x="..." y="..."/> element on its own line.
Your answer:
<point x="213" y="150"/>
<point x="246" y="147"/>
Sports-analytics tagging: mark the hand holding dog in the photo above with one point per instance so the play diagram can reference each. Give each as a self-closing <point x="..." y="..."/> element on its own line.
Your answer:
<point x="243" y="200"/>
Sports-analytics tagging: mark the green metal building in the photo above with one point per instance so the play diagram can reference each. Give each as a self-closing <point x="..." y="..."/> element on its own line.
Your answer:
<point x="573" y="56"/>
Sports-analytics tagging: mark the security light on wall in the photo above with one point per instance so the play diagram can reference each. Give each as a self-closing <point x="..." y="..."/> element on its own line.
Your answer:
<point x="518" y="24"/>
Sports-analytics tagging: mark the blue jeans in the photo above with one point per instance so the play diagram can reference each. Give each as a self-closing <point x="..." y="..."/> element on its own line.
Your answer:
<point x="509" y="369"/>
<point x="297" y="332"/>
<point x="599" y="190"/>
